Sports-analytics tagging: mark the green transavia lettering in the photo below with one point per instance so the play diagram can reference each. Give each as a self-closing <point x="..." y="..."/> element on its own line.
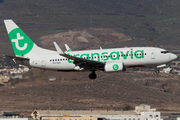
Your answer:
<point x="105" y="56"/>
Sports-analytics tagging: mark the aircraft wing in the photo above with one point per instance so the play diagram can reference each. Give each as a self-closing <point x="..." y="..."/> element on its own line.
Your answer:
<point x="77" y="59"/>
<point x="80" y="61"/>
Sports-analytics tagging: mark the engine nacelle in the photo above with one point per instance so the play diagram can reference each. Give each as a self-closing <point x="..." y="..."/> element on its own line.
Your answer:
<point x="114" y="67"/>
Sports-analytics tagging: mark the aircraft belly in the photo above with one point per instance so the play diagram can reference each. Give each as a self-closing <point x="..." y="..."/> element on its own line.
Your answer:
<point x="135" y="62"/>
<point x="60" y="66"/>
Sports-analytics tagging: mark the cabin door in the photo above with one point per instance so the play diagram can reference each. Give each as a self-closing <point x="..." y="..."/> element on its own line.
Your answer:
<point x="43" y="62"/>
<point x="153" y="54"/>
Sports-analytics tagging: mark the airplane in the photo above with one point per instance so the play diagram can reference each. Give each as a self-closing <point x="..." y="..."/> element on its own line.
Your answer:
<point x="107" y="60"/>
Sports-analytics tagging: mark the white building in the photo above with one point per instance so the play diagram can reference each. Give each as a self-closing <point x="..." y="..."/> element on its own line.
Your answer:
<point x="142" y="112"/>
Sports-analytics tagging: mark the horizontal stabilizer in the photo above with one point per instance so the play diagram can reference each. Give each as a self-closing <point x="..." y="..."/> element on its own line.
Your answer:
<point x="12" y="57"/>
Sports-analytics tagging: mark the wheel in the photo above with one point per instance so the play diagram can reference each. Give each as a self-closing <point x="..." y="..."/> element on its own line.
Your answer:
<point x="92" y="76"/>
<point x="157" y="71"/>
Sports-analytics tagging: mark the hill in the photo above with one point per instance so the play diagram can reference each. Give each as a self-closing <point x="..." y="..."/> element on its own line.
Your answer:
<point x="87" y="24"/>
<point x="155" y="21"/>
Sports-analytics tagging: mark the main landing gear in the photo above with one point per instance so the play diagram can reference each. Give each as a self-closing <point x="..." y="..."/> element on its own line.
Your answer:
<point x="93" y="75"/>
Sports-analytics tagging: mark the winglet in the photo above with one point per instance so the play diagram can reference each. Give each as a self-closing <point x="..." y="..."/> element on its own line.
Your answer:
<point x="67" y="48"/>
<point x="58" y="48"/>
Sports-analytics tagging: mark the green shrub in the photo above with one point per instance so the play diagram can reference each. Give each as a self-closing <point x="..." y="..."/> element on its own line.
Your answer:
<point x="127" y="107"/>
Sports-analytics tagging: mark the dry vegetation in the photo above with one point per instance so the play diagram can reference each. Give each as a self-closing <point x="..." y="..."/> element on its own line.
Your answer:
<point x="76" y="91"/>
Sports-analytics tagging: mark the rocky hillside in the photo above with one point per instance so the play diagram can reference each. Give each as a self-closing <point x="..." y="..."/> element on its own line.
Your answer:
<point x="84" y="39"/>
<point x="157" y="22"/>
<point x="89" y="24"/>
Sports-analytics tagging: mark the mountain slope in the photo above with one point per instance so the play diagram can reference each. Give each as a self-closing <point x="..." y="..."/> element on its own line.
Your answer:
<point x="155" y="21"/>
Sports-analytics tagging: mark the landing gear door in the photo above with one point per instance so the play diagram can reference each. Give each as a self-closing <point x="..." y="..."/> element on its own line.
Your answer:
<point x="153" y="54"/>
<point x="43" y="62"/>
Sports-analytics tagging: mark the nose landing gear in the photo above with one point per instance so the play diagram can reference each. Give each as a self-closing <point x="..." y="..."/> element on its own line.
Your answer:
<point x="156" y="70"/>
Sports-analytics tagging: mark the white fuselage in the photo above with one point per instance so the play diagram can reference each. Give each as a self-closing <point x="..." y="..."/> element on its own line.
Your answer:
<point x="130" y="57"/>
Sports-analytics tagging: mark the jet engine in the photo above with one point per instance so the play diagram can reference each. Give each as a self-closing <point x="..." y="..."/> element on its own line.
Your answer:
<point x="114" y="67"/>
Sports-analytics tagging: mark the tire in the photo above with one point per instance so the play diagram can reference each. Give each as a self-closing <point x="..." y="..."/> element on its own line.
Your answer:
<point x="157" y="71"/>
<point x="92" y="76"/>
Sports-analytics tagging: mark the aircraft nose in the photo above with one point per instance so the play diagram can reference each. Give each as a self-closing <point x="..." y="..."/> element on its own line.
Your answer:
<point x="173" y="56"/>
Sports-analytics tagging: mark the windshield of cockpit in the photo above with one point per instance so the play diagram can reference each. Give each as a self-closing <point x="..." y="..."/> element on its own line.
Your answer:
<point x="164" y="52"/>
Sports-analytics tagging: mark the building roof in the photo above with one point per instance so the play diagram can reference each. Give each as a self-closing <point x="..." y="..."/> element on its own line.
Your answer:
<point x="81" y="112"/>
<point x="8" y="113"/>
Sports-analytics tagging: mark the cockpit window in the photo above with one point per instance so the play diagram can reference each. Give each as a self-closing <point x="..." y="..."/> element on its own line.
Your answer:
<point x="164" y="52"/>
